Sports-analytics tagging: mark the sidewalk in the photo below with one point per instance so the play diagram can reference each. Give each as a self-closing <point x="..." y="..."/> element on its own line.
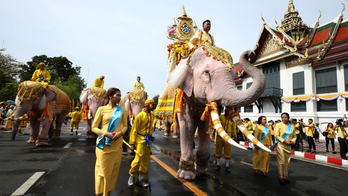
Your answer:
<point x="321" y="154"/>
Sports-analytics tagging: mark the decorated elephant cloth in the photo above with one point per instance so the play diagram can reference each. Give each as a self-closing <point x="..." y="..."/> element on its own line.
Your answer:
<point x="98" y="93"/>
<point x="138" y="95"/>
<point x="164" y="109"/>
<point x="62" y="105"/>
<point x="28" y="90"/>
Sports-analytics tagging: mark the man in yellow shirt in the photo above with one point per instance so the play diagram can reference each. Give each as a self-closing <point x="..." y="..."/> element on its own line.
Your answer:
<point x="75" y="120"/>
<point x="200" y="37"/>
<point x="141" y="140"/>
<point x="342" y="137"/>
<point x="41" y="75"/>
<point x="230" y="128"/>
<point x="138" y="84"/>
<point x="249" y="126"/>
<point x="99" y="82"/>
<point x="310" y="132"/>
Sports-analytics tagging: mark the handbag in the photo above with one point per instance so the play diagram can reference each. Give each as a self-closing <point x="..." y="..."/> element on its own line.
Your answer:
<point x="325" y="134"/>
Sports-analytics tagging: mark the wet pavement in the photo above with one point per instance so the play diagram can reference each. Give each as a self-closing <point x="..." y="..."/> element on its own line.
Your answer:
<point x="70" y="171"/>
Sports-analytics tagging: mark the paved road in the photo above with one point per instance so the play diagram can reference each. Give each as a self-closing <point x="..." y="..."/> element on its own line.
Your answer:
<point x="70" y="171"/>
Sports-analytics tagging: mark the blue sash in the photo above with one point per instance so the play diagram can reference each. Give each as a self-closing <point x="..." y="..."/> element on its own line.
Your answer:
<point x="9" y="114"/>
<point x="147" y="138"/>
<point x="41" y="79"/>
<point x="114" y="120"/>
<point x="139" y="84"/>
<point x="264" y="134"/>
<point x="284" y="136"/>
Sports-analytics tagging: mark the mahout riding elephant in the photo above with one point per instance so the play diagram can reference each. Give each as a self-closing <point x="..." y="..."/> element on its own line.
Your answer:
<point x="94" y="97"/>
<point x="43" y="103"/>
<point x="206" y="79"/>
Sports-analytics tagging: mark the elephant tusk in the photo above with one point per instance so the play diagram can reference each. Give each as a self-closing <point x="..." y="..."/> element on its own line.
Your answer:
<point x="217" y="125"/>
<point x="245" y="132"/>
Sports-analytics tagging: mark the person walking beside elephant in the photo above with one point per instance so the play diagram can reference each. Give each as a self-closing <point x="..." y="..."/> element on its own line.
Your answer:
<point x="285" y="135"/>
<point x="261" y="157"/>
<point x="230" y="128"/>
<point x="113" y="119"/>
<point x="75" y="120"/>
<point x="141" y="140"/>
<point x="41" y="75"/>
<point x="99" y="82"/>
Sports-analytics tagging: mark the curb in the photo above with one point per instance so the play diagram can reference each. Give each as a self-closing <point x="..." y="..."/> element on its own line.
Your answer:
<point x="319" y="158"/>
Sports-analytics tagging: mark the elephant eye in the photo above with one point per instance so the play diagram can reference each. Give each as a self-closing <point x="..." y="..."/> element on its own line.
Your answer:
<point x="206" y="72"/>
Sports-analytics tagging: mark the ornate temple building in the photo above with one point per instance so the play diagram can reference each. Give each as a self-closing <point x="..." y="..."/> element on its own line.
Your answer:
<point x="306" y="69"/>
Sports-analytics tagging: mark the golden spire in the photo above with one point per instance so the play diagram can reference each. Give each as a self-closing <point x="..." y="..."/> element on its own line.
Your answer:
<point x="291" y="7"/>
<point x="183" y="12"/>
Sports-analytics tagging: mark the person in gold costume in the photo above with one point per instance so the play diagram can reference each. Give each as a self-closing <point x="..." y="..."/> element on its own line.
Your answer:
<point x="285" y="135"/>
<point x="75" y="120"/>
<point x="200" y="37"/>
<point x="220" y="143"/>
<point x="261" y="157"/>
<point x="249" y="126"/>
<point x="342" y="137"/>
<point x="99" y="82"/>
<point x="331" y="136"/>
<point x="41" y="75"/>
<point x="141" y="140"/>
<point x="113" y="118"/>
<point x="310" y="133"/>
<point x="138" y="84"/>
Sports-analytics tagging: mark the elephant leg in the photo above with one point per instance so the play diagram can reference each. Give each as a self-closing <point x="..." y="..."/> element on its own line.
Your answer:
<point x="176" y="131"/>
<point x="167" y="129"/>
<point x="186" y="163"/>
<point x="203" y="153"/>
<point x="34" y="129"/>
<point x="46" y="122"/>
<point x="59" y="122"/>
<point x="51" y="130"/>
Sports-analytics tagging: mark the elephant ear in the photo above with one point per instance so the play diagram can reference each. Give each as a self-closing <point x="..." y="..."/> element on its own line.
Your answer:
<point x="181" y="77"/>
<point x="50" y="95"/>
<point x="83" y="96"/>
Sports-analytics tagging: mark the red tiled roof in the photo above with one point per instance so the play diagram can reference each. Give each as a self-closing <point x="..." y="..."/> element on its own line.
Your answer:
<point x="321" y="36"/>
<point x="238" y="68"/>
<point x="342" y="34"/>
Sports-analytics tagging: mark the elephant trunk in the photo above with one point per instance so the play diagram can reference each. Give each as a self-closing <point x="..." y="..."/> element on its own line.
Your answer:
<point x="19" y="112"/>
<point x="220" y="130"/>
<point x="237" y="98"/>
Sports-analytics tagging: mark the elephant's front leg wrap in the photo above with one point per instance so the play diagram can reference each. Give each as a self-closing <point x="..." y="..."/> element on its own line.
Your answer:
<point x="186" y="165"/>
<point x="201" y="163"/>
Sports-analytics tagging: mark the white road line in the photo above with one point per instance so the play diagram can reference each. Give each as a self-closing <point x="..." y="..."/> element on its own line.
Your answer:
<point x="246" y="163"/>
<point x="22" y="189"/>
<point x="68" y="145"/>
<point x="79" y="133"/>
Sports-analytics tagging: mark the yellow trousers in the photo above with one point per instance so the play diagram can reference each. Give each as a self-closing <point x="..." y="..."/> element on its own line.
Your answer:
<point x="140" y="166"/>
<point x="283" y="159"/>
<point x="221" y="143"/>
<point x="74" y="123"/>
<point x="261" y="160"/>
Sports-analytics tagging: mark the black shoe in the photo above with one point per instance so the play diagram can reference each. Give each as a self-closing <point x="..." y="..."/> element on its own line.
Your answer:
<point x="142" y="183"/>
<point x="333" y="152"/>
<point x="327" y="150"/>
<point x="131" y="181"/>
<point x="314" y="152"/>
<point x="76" y="132"/>
<point x="345" y="158"/>
<point x="217" y="168"/>
<point x="228" y="170"/>
<point x="286" y="180"/>
<point x="308" y="150"/>
<point x="281" y="181"/>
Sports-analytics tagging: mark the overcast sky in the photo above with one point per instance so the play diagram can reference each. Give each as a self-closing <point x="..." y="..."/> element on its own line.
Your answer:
<point x="126" y="39"/>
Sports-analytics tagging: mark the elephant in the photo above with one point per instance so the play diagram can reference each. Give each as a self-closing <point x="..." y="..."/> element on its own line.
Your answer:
<point x="43" y="103"/>
<point x="94" y="97"/>
<point x="133" y="107"/>
<point x="206" y="77"/>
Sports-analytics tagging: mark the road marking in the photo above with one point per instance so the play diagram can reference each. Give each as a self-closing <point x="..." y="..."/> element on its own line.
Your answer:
<point x="22" y="189"/>
<point x="246" y="163"/>
<point x="188" y="184"/>
<point x="68" y="145"/>
<point x="79" y="133"/>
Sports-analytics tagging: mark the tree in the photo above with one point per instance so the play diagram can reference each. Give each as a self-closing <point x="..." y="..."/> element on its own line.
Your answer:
<point x="9" y="66"/>
<point x="61" y="65"/>
<point x="73" y="87"/>
<point x="155" y="98"/>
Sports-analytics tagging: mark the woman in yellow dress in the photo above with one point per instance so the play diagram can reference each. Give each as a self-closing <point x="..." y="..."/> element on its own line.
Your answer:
<point x="113" y="119"/>
<point x="285" y="136"/>
<point x="261" y="157"/>
<point x="331" y="135"/>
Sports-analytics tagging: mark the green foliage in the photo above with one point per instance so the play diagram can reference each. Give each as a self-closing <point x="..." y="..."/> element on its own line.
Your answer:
<point x="9" y="91"/>
<point x="155" y="98"/>
<point x="72" y="87"/>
